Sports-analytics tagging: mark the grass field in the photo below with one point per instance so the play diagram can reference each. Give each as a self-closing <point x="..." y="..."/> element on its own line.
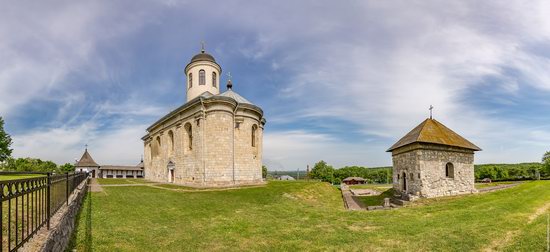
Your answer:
<point x="121" y="181"/>
<point x="293" y="216"/>
<point x="485" y="185"/>
<point x="18" y="176"/>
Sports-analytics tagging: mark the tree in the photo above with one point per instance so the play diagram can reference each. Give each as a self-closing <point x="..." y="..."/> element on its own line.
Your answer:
<point x="323" y="171"/>
<point x="264" y="171"/>
<point x="68" y="167"/>
<point x="5" y="143"/>
<point x="545" y="172"/>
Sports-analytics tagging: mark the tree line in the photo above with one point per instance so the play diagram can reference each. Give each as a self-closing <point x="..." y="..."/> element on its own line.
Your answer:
<point x="7" y="163"/>
<point x="383" y="175"/>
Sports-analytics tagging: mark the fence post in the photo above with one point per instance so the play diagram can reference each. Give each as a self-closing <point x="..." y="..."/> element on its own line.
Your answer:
<point x="48" y="199"/>
<point x="67" y="188"/>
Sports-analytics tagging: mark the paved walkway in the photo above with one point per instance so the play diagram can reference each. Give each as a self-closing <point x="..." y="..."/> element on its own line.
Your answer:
<point x="349" y="201"/>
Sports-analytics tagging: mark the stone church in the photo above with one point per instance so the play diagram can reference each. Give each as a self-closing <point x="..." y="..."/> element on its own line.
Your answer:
<point x="213" y="140"/>
<point x="432" y="161"/>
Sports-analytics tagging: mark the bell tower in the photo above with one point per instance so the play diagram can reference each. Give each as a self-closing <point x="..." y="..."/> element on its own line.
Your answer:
<point x="202" y="74"/>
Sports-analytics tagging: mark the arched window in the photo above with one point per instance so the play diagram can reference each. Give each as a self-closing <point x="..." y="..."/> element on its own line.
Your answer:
<point x="253" y="140"/>
<point x="171" y="137"/>
<point x="214" y="79"/>
<point x="449" y="170"/>
<point x="189" y="132"/>
<point x="157" y="147"/>
<point x="190" y="80"/>
<point x="202" y="77"/>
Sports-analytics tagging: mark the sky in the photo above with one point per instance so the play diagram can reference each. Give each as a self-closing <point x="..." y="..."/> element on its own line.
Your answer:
<point x="338" y="81"/>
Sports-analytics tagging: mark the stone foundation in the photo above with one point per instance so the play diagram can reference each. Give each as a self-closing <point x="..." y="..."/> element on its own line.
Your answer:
<point x="62" y="225"/>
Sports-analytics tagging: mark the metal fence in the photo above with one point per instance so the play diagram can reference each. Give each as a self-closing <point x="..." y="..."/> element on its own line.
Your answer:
<point x="28" y="204"/>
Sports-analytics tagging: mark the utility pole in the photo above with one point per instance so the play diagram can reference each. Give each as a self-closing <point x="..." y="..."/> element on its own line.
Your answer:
<point x="298" y="176"/>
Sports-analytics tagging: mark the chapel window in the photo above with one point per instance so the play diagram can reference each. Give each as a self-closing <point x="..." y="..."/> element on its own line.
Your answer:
<point x="190" y="80"/>
<point x="449" y="170"/>
<point x="214" y="79"/>
<point x="253" y="140"/>
<point x="202" y="77"/>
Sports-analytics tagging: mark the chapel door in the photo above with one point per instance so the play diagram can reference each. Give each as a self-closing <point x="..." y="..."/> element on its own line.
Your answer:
<point x="172" y="176"/>
<point x="93" y="173"/>
<point x="404" y="181"/>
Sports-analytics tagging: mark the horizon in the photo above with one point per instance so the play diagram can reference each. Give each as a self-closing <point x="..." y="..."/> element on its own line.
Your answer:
<point x="340" y="86"/>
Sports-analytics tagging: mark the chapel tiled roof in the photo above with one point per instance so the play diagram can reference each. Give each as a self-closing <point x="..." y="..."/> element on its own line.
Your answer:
<point x="86" y="160"/>
<point x="432" y="131"/>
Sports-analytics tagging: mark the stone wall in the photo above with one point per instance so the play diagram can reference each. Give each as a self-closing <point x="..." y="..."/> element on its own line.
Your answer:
<point x="62" y="225"/>
<point x="423" y="166"/>
<point x="222" y="153"/>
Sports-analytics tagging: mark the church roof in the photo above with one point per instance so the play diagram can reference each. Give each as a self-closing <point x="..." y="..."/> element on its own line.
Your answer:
<point x="237" y="97"/>
<point x="432" y="131"/>
<point x="86" y="160"/>
<point x="203" y="56"/>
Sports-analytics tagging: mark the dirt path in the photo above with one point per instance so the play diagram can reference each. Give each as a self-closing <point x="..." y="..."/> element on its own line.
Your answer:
<point x="95" y="186"/>
<point x="498" y="187"/>
<point x="540" y="211"/>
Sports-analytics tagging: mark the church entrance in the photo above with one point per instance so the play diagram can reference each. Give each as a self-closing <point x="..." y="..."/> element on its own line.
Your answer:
<point x="171" y="174"/>
<point x="93" y="173"/>
<point x="404" y="181"/>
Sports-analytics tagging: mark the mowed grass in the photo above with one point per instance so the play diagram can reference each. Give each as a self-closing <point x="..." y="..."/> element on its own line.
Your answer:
<point x="19" y="176"/>
<point x="485" y="185"/>
<point x="291" y="216"/>
<point x="121" y="181"/>
<point x="377" y="187"/>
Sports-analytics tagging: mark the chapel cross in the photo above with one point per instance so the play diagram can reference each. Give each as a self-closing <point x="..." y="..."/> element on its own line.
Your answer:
<point x="431" y="108"/>
<point x="229" y="75"/>
<point x="202" y="46"/>
<point x="86" y="145"/>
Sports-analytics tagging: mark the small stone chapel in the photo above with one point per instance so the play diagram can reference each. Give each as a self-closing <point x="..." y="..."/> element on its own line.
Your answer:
<point x="432" y="161"/>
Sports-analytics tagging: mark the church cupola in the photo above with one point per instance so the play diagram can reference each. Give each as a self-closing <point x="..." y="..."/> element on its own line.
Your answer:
<point x="202" y="75"/>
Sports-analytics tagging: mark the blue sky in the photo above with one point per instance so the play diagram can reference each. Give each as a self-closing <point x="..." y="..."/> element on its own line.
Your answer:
<point x="337" y="81"/>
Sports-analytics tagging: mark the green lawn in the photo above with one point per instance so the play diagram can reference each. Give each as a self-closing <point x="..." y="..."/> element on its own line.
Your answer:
<point x="378" y="187"/>
<point x="292" y="216"/>
<point x="18" y="176"/>
<point x="121" y="181"/>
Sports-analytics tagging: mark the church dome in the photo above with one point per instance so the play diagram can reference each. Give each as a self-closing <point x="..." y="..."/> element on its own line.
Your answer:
<point x="203" y="56"/>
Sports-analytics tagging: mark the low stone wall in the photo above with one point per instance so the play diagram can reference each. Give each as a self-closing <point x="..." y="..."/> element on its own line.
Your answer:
<point x="62" y="225"/>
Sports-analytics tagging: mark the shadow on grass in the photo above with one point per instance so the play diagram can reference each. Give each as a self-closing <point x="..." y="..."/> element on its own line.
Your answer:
<point x="77" y="242"/>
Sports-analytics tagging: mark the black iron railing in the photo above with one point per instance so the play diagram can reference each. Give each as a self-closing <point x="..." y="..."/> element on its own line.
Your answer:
<point x="28" y="204"/>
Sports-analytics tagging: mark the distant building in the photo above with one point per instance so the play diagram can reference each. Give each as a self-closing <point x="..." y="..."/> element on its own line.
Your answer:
<point x="212" y="140"/>
<point x="432" y="161"/>
<point x="87" y="164"/>
<point x="354" y="181"/>
<point x="285" y="177"/>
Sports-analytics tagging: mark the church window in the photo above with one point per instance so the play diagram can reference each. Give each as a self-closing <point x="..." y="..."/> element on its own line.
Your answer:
<point x="189" y="132"/>
<point x="449" y="170"/>
<point x="418" y="175"/>
<point x="190" y="80"/>
<point x="254" y="129"/>
<point x="157" y="147"/>
<point x="214" y="79"/>
<point x="412" y="176"/>
<point x="202" y="77"/>
<point x="171" y="137"/>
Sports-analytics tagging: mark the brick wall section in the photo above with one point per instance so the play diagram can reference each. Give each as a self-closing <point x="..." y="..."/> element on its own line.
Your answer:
<point x="62" y="225"/>
<point x="222" y="153"/>
<point x="424" y="167"/>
